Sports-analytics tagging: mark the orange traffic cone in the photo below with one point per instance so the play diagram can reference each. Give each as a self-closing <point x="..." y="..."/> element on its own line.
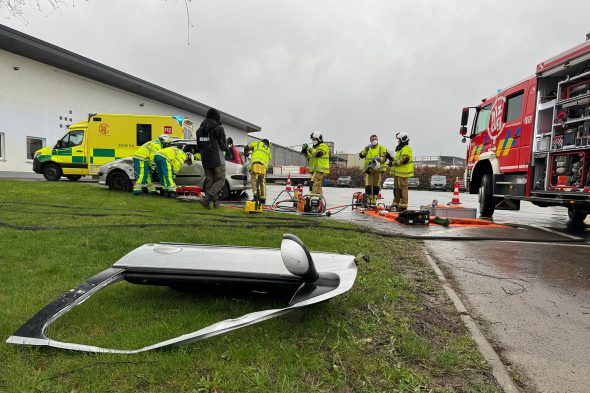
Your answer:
<point x="288" y="187"/>
<point x="455" y="200"/>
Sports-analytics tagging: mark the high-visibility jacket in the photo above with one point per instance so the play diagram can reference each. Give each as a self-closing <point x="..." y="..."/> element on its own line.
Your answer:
<point x="319" y="164"/>
<point x="148" y="150"/>
<point x="260" y="153"/>
<point x="404" y="170"/>
<point x="174" y="156"/>
<point x="372" y="152"/>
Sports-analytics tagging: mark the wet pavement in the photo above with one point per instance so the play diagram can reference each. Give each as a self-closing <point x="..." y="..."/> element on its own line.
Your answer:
<point x="529" y="288"/>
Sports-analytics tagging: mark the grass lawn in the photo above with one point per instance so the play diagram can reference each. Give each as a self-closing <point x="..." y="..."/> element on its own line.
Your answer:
<point x="394" y="331"/>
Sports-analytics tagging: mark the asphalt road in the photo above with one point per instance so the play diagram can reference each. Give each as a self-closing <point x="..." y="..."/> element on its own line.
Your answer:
<point x="530" y="296"/>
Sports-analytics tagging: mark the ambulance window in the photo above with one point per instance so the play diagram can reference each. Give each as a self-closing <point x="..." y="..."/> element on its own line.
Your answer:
<point x="76" y="138"/>
<point x="483" y="119"/>
<point x="514" y="107"/>
<point x="144" y="133"/>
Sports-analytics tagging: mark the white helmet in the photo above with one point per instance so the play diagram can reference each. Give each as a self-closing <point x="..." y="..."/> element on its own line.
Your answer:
<point x="165" y="140"/>
<point x="402" y="136"/>
<point x="317" y="135"/>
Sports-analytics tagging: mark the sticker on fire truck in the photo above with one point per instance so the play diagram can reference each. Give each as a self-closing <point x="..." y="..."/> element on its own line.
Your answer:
<point x="497" y="119"/>
<point x="167" y="130"/>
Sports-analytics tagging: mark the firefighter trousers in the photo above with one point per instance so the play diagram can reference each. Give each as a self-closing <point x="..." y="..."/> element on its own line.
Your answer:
<point x="373" y="185"/>
<point x="316" y="183"/>
<point x="400" y="192"/>
<point x="258" y="183"/>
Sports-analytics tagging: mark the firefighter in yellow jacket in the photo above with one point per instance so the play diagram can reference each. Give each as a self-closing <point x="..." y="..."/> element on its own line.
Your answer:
<point x="261" y="156"/>
<point x="375" y="156"/>
<point x="319" y="161"/>
<point x="168" y="161"/>
<point x="402" y="168"/>
<point x="143" y="162"/>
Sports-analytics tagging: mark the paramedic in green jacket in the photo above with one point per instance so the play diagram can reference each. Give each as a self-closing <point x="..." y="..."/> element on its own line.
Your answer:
<point x="319" y="161"/>
<point x="402" y="168"/>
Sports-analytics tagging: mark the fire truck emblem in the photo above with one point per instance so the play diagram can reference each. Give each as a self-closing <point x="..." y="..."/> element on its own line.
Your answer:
<point x="497" y="119"/>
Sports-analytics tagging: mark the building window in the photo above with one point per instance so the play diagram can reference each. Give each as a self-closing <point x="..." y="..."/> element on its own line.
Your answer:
<point x="144" y="133"/>
<point x="34" y="144"/>
<point x="2" y="156"/>
<point x="514" y="107"/>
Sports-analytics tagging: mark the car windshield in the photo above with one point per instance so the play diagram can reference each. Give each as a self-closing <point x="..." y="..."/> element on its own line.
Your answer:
<point x="389" y="180"/>
<point x="438" y="178"/>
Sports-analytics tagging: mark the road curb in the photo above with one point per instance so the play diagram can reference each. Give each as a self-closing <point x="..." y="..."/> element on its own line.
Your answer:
<point x="499" y="370"/>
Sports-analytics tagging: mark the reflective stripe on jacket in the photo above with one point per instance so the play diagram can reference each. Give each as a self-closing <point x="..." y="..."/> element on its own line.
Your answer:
<point x="319" y="164"/>
<point x="260" y="153"/>
<point x="174" y="156"/>
<point x="404" y="170"/>
<point x="148" y="150"/>
<point x="375" y="151"/>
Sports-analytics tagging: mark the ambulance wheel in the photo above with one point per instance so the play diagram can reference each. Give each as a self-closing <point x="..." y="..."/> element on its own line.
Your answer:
<point x="576" y="216"/>
<point x="486" y="196"/>
<point x="119" y="181"/>
<point x="52" y="172"/>
<point x="74" y="177"/>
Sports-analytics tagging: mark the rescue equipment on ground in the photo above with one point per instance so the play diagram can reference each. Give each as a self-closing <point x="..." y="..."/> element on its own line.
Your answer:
<point x="289" y="272"/>
<point x="312" y="204"/>
<point x="189" y="191"/>
<point x="413" y="217"/>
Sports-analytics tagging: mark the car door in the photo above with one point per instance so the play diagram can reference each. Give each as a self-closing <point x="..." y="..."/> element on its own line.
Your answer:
<point x="193" y="175"/>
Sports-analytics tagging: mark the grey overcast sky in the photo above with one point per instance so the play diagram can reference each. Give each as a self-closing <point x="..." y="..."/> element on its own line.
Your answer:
<point x="348" y="68"/>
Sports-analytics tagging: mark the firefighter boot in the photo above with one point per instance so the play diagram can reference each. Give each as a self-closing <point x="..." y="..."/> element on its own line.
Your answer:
<point x="172" y="194"/>
<point x="163" y="193"/>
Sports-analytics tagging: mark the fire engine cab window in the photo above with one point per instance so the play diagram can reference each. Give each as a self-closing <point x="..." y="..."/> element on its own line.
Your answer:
<point x="144" y="133"/>
<point x="514" y="107"/>
<point x="483" y="119"/>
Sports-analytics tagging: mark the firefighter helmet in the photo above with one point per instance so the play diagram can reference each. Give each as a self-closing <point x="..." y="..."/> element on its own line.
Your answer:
<point x="402" y="136"/>
<point x="317" y="135"/>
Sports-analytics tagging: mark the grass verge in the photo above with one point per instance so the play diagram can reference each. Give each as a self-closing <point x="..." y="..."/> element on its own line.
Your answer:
<point x="395" y="331"/>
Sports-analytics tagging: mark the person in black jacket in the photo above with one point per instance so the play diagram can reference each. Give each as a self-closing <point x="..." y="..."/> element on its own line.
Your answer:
<point x="212" y="144"/>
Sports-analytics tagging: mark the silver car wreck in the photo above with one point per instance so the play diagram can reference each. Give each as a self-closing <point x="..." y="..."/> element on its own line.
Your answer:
<point x="291" y="272"/>
<point x="119" y="175"/>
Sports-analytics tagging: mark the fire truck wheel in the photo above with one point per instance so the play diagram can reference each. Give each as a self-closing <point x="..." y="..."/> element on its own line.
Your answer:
<point x="52" y="172"/>
<point x="74" y="177"/>
<point x="486" y="196"/>
<point x="576" y="216"/>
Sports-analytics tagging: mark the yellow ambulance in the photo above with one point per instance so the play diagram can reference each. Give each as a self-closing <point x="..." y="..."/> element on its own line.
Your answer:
<point x="104" y="138"/>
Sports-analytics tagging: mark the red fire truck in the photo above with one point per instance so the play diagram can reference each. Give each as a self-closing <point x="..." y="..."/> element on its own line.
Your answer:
<point x="531" y="141"/>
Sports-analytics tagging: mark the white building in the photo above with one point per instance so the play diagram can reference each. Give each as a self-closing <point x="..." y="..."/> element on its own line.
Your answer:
<point x="44" y="88"/>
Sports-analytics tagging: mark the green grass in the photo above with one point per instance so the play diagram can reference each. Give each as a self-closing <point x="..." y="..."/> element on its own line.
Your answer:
<point x="394" y="331"/>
